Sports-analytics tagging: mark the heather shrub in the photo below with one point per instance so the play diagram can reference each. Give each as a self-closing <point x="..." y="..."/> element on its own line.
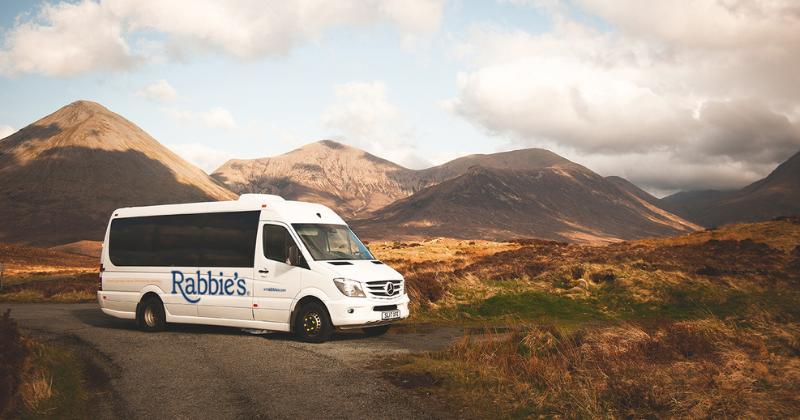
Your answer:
<point x="13" y="352"/>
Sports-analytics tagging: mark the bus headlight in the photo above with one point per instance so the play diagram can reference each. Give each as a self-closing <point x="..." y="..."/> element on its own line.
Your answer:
<point x="349" y="287"/>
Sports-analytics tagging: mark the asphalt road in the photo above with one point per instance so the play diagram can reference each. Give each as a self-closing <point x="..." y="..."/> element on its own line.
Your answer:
<point x="204" y="372"/>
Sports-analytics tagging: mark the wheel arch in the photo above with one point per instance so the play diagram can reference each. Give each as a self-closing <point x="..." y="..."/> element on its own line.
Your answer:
<point x="142" y="298"/>
<point x="304" y="301"/>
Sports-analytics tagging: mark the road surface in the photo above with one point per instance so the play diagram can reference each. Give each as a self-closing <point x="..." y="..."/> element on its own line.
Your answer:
<point x="205" y="372"/>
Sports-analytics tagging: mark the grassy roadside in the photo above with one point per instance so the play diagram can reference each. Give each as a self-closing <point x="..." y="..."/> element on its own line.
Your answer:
<point x="701" y="326"/>
<point x="79" y="288"/>
<point x="660" y="369"/>
<point x="40" y="381"/>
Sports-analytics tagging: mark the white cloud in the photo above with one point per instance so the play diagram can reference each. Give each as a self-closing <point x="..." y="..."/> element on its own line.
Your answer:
<point x="415" y="20"/>
<point x="181" y="117"/>
<point x="364" y="118"/>
<point x="708" y="24"/>
<point x="218" y="118"/>
<point x="160" y="92"/>
<point x="206" y="158"/>
<point x="709" y="87"/>
<point x="5" y="131"/>
<point x="68" y="39"/>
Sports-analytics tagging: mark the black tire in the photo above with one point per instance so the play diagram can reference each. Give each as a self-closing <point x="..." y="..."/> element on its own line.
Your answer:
<point x="376" y="331"/>
<point x="150" y="316"/>
<point x="313" y="325"/>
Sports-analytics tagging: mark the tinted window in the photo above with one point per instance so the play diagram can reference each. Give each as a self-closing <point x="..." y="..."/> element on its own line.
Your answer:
<point x="187" y="240"/>
<point x="229" y="239"/>
<point x="131" y="240"/>
<point x="175" y="241"/>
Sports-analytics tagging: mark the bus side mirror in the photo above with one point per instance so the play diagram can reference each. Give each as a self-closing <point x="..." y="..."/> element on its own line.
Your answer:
<point x="294" y="256"/>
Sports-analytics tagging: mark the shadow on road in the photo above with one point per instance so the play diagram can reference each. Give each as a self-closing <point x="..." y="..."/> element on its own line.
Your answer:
<point x="90" y="317"/>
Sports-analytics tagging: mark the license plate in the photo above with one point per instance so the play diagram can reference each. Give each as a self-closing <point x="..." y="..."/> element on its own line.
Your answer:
<point x="390" y="314"/>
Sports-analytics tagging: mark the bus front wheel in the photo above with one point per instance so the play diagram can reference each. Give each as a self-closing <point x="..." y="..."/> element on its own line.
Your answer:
<point x="312" y="324"/>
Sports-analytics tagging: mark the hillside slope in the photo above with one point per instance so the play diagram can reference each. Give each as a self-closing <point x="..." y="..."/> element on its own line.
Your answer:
<point x="62" y="176"/>
<point x="565" y="203"/>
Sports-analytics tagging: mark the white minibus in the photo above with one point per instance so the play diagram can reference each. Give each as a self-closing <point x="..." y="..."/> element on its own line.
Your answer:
<point x="259" y="263"/>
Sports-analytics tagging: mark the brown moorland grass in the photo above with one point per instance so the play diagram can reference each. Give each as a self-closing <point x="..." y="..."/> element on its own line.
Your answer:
<point x="660" y="369"/>
<point x="23" y="263"/>
<point x="725" y="263"/>
<point x="701" y="326"/>
<point x="80" y="288"/>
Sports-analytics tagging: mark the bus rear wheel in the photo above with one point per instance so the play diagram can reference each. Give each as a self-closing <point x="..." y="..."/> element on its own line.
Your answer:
<point x="150" y="316"/>
<point x="312" y="324"/>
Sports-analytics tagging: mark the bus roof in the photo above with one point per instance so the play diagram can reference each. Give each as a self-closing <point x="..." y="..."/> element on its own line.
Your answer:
<point x="272" y="207"/>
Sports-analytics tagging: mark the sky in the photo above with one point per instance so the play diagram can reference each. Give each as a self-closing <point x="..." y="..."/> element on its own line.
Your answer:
<point x="670" y="94"/>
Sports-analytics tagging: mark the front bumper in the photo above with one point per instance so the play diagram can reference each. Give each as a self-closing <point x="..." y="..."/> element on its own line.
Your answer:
<point x="358" y="313"/>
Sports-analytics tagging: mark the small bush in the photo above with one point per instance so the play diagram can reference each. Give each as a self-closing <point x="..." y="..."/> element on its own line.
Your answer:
<point x="13" y="352"/>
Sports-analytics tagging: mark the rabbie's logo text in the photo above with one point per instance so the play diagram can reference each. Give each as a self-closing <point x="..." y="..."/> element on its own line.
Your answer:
<point x="209" y="286"/>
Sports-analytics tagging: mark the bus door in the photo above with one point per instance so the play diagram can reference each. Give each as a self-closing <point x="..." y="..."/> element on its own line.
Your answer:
<point x="276" y="281"/>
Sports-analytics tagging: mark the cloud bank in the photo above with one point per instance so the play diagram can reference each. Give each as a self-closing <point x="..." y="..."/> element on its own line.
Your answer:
<point x="70" y="39"/>
<point x="706" y="86"/>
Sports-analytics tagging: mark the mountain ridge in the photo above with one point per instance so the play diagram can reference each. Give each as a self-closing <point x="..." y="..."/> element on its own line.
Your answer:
<point x="500" y="204"/>
<point x="776" y="195"/>
<point x="355" y="181"/>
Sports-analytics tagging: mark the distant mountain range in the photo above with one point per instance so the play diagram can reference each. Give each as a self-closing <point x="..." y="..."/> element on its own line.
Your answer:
<point x="774" y="196"/>
<point x="355" y="182"/>
<point x="61" y="177"/>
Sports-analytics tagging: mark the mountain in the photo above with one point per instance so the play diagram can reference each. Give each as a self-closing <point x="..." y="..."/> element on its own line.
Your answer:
<point x="663" y="204"/>
<point x="696" y="196"/>
<point x="339" y="176"/>
<point x="776" y="195"/>
<point x="633" y="189"/>
<point x="62" y="176"/>
<point x="353" y="181"/>
<point x="517" y="159"/>
<point x="558" y="201"/>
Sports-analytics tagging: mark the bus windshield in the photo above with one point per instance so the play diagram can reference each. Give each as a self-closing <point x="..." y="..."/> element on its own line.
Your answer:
<point x="332" y="242"/>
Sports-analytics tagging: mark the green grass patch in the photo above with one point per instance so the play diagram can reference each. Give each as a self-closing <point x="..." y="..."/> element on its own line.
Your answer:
<point x="686" y="303"/>
<point x="533" y="305"/>
<point x="683" y="302"/>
